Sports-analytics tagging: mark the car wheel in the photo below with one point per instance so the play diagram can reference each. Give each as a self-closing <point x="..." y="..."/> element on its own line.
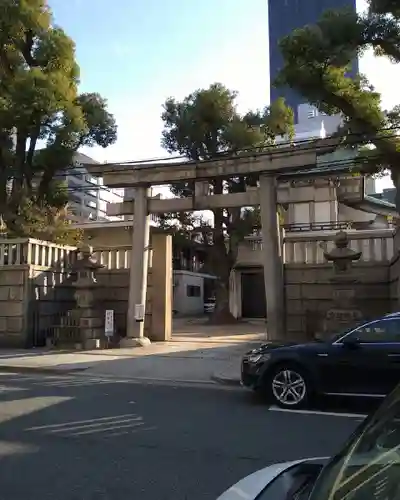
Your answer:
<point x="288" y="387"/>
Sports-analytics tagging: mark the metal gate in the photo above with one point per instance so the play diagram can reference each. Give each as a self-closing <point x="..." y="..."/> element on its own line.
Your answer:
<point x="51" y="297"/>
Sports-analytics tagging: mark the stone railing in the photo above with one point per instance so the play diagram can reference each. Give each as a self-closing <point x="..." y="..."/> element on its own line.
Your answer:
<point x="21" y="251"/>
<point x="114" y="258"/>
<point x="375" y="245"/>
<point x="117" y="258"/>
<point x="307" y="247"/>
<point x="44" y="254"/>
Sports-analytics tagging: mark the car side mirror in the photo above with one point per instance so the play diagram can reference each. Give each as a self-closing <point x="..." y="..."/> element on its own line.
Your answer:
<point x="351" y="343"/>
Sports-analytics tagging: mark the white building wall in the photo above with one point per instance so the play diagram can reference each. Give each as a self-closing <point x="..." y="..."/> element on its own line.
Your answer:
<point x="88" y="195"/>
<point x="313" y="124"/>
<point x="188" y="297"/>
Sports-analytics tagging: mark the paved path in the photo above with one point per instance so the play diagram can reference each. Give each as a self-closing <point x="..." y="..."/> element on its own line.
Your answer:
<point x="186" y="359"/>
<point x="196" y="353"/>
<point x="75" y="436"/>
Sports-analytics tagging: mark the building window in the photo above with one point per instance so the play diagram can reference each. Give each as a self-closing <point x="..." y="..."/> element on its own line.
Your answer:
<point x="312" y="113"/>
<point x="91" y="204"/>
<point x="193" y="291"/>
<point x="91" y="179"/>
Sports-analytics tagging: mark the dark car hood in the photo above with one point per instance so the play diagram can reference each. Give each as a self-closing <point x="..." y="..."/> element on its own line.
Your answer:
<point x="269" y="346"/>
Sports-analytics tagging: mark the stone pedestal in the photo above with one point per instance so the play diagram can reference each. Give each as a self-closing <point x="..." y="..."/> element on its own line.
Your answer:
<point x="344" y="314"/>
<point x="134" y="342"/>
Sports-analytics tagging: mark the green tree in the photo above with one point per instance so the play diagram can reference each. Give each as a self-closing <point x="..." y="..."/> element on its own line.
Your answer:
<point x="317" y="58"/>
<point x="207" y="125"/>
<point x="43" y="119"/>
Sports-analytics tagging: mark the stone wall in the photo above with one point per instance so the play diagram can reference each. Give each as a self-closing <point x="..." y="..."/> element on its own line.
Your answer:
<point x="113" y="292"/>
<point x="394" y="274"/>
<point x="113" y="287"/>
<point x="14" y="284"/>
<point x="309" y="294"/>
<point x="37" y="290"/>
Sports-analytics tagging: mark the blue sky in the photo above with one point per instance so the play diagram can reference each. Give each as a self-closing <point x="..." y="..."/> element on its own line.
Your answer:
<point x="136" y="53"/>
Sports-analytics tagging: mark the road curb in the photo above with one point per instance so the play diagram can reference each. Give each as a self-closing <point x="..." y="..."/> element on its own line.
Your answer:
<point x="150" y="379"/>
<point x="40" y="369"/>
<point x="223" y="380"/>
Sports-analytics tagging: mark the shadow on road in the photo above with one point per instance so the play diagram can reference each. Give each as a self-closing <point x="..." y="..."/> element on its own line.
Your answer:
<point x="71" y="437"/>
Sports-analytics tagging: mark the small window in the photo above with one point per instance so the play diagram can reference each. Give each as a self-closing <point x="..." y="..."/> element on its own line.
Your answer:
<point x="385" y="331"/>
<point x="193" y="291"/>
<point x="91" y="179"/>
<point x="312" y="113"/>
<point x="91" y="204"/>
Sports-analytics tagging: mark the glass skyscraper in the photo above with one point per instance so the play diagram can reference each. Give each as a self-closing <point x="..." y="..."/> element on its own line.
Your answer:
<point x="284" y="16"/>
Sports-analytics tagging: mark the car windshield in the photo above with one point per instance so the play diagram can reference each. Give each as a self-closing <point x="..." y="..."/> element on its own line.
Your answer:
<point x="369" y="465"/>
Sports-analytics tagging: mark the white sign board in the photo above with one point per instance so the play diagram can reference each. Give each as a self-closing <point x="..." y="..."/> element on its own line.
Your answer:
<point x="139" y="312"/>
<point x="109" y="323"/>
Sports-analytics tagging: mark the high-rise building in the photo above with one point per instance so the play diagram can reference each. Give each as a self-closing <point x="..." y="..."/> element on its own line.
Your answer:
<point x="284" y="16"/>
<point x="88" y="197"/>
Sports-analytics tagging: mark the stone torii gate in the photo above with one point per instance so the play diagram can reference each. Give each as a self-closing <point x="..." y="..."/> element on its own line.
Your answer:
<point x="143" y="176"/>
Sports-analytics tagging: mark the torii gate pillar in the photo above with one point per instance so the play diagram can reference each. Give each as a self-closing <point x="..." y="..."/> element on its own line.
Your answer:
<point x="272" y="258"/>
<point x="139" y="265"/>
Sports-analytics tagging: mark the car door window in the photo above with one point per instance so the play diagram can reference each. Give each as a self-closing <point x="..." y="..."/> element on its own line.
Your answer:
<point x="369" y="465"/>
<point x="382" y="331"/>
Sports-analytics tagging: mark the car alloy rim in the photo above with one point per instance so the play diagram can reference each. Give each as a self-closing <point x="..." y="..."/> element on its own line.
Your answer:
<point x="289" y="387"/>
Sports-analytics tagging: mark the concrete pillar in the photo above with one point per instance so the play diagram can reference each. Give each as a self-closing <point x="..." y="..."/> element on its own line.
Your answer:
<point x="272" y="258"/>
<point x="138" y="270"/>
<point x="161" y="287"/>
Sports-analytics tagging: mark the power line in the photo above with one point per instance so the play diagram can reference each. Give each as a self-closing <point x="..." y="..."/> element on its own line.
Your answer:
<point x="336" y="165"/>
<point x="348" y="162"/>
<point x="234" y="153"/>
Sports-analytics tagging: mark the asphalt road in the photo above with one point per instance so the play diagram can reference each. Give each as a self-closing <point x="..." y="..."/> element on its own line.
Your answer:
<point x="74" y="438"/>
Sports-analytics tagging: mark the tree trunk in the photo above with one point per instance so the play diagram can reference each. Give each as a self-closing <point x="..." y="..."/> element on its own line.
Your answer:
<point x="221" y="314"/>
<point x="221" y="265"/>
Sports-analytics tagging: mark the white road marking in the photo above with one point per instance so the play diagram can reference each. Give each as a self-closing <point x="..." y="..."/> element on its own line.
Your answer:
<point x="316" y="412"/>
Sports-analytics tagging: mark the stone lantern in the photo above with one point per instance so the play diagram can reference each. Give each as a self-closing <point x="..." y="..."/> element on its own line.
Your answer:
<point x="90" y="316"/>
<point x="344" y="312"/>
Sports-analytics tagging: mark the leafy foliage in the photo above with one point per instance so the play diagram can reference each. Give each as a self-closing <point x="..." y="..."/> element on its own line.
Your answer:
<point x="40" y="106"/>
<point x="317" y="58"/>
<point x="207" y="125"/>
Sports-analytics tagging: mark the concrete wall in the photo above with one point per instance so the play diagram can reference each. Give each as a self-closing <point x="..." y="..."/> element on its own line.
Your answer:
<point x="309" y="294"/>
<point x="113" y="237"/>
<point x="349" y="214"/>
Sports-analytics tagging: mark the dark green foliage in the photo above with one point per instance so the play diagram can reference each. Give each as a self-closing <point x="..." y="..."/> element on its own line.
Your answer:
<point x="316" y="60"/>
<point x="43" y="120"/>
<point x="206" y="125"/>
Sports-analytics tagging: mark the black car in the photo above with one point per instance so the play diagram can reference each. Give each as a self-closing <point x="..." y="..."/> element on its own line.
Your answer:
<point x="364" y="361"/>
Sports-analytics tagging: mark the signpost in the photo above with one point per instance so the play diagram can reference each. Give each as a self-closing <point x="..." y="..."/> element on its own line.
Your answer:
<point x="139" y="312"/>
<point x="109" y="323"/>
